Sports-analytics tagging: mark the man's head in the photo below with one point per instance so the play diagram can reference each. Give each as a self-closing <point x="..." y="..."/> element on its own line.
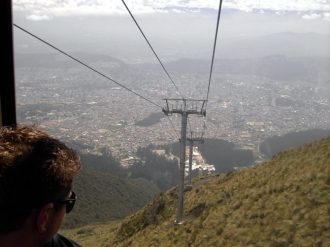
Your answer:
<point x="36" y="174"/>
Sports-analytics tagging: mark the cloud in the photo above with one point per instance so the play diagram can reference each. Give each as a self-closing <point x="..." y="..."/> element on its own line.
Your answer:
<point x="38" y="17"/>
<point x="326" y="16"/>
<point x="312" y="16"/>
<point x="47" y="9"/>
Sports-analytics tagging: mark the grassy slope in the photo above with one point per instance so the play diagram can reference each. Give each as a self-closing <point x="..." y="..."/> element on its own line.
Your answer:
<point x="282" y="202"/>
<point x="103" y="197"/>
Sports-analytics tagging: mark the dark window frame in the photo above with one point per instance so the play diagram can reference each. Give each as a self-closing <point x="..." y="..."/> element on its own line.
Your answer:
<point x="7" y="86"/>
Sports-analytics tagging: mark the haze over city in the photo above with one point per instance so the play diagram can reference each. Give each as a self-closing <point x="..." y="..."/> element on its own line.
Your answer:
<point x="270" y="71"/>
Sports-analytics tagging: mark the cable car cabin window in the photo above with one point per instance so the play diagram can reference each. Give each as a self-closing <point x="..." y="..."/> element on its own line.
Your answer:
<point x="156" y="95"/>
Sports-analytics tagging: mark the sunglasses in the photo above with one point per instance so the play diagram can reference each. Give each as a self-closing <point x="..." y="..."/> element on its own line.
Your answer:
<point x="69" y="203"/>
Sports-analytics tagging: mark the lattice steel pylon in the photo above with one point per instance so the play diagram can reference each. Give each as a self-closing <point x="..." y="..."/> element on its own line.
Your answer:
<point x="184" y="107"/>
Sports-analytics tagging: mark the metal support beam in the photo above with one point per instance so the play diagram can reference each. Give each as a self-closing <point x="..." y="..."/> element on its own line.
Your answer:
<point x="7" y="86"/>
<point x="184" y="107"/>
<point x="182" y="166"/>
<point x="191" y="147"/>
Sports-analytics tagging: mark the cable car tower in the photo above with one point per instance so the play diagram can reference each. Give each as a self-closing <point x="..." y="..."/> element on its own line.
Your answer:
<point x="184" y="107"/>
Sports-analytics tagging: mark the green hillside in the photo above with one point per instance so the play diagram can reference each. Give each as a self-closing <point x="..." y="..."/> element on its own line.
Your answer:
<point x="275" y="144"/>
<point x="103" y="197"/>
<point x="282" y="202"/>
<point x="224" y="155"/>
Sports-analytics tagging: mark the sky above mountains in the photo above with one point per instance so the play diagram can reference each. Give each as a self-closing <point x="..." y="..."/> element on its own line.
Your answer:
<point x="176" y="28"/>
<point x="38" y="10"/>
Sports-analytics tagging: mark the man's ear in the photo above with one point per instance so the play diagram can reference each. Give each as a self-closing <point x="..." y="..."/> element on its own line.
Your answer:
<point x="44" y="216"/>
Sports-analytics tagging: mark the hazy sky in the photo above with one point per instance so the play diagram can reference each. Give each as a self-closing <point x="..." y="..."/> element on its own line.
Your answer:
<point x="176" y="28"/>
<point x="49" y="9"/>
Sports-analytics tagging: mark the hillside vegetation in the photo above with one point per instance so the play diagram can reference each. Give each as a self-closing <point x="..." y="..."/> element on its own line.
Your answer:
<point x="282" y="202"/>
<point x="103" y="197"/>
<point x="224" y="155"/>
<point x="275" y="144"/>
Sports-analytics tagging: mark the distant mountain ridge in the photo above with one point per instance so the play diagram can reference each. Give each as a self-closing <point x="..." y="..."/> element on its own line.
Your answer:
<point x="277" y="67"/>
<point x="57" y="60"/>
<point x="291" y="44"/>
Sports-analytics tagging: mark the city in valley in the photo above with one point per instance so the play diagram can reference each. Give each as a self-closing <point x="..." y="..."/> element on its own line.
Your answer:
<point x="92" y="113"/>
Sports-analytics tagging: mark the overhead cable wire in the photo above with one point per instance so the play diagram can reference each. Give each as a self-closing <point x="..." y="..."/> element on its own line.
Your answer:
<point x="87" y="66"/>
<point x="212" y="62"/>
<point x="94" y="70"/>
<point x="214" y="47"/>
<point x="146" y="39"/>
